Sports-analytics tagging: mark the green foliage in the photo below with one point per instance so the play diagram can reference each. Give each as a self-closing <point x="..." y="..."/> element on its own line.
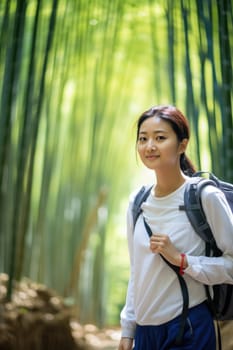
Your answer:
<point x="74" y="77"/>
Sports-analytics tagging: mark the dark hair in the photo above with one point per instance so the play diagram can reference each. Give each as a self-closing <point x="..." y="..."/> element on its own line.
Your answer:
<point x="179" y="124"/>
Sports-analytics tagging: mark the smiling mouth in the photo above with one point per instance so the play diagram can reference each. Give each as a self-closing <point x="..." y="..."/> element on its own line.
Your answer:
<point x="152" y="156"/>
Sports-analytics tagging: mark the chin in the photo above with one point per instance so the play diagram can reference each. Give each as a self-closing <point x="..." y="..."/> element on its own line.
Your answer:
<point x="151" y="167"/>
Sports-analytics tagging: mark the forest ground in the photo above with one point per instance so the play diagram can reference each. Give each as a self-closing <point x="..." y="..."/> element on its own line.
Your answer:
<point x="37" y="318"/>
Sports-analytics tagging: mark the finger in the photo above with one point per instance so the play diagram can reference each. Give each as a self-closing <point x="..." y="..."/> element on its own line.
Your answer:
<point x="156" y="247"/>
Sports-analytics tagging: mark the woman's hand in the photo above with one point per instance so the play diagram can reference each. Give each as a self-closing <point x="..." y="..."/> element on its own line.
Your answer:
<point x="125" y="344"/>
<point x="160" y="243"/>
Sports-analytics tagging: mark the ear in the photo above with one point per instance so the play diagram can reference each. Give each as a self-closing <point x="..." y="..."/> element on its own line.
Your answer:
<point x="183" y="145"/>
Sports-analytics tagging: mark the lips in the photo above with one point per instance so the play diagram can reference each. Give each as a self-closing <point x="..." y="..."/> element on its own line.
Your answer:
<point x="152" y="156"/>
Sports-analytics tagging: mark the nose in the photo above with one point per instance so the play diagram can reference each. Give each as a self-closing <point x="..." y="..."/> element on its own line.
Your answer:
<point x="151" y="145"/>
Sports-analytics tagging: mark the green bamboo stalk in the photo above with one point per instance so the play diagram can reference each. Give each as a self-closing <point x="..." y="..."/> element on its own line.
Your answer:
<point x="12" y="81"/>
<point x="225" y="12"/>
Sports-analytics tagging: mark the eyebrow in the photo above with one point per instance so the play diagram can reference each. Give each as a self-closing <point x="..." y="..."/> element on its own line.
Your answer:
<point x="155" y="132"/>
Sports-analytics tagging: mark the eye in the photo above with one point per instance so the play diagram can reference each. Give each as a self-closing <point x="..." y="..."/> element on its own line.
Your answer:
<point x="142" y="139"/>
<point x="160" y="138"/>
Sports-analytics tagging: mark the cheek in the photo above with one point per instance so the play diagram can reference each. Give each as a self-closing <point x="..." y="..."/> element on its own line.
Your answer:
<point x="140" y="151"/>
<point x="171" y="152"/>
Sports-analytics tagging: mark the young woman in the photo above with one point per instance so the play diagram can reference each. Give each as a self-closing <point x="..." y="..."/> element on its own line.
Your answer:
<point x="150" y="319"/>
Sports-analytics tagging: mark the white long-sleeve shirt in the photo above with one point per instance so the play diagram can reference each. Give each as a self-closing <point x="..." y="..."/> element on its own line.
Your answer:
<point x="154" y="294"/>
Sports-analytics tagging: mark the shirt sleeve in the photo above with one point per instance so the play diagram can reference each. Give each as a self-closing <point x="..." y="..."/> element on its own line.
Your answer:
<point x="128" y="323"/>
<point x="215" y="270"/>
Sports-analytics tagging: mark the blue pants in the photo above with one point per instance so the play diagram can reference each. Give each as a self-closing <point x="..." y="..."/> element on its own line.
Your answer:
<point x="199" y="333"/>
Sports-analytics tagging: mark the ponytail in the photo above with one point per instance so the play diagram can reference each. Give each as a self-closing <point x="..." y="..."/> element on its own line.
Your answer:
<point x="186" y="165"/>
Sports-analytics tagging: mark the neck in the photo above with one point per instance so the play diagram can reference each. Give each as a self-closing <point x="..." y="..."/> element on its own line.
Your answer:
<point x="166" y="185"/>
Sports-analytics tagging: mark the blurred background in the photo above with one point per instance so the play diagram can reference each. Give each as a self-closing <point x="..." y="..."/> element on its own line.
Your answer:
<point x="74" y="77"/>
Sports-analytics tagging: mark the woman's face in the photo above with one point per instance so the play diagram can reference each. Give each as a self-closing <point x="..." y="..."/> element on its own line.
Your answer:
<point x="158" y="145"/>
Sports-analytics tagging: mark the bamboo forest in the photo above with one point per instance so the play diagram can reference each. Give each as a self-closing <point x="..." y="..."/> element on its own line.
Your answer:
<point x="75" y="76"/>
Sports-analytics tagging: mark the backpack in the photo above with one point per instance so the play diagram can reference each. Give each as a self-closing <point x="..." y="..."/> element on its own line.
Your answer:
<point x="221" y="305"/>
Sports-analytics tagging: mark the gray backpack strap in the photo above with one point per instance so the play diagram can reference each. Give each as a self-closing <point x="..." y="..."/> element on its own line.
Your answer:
<point x="140" y="197"/>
